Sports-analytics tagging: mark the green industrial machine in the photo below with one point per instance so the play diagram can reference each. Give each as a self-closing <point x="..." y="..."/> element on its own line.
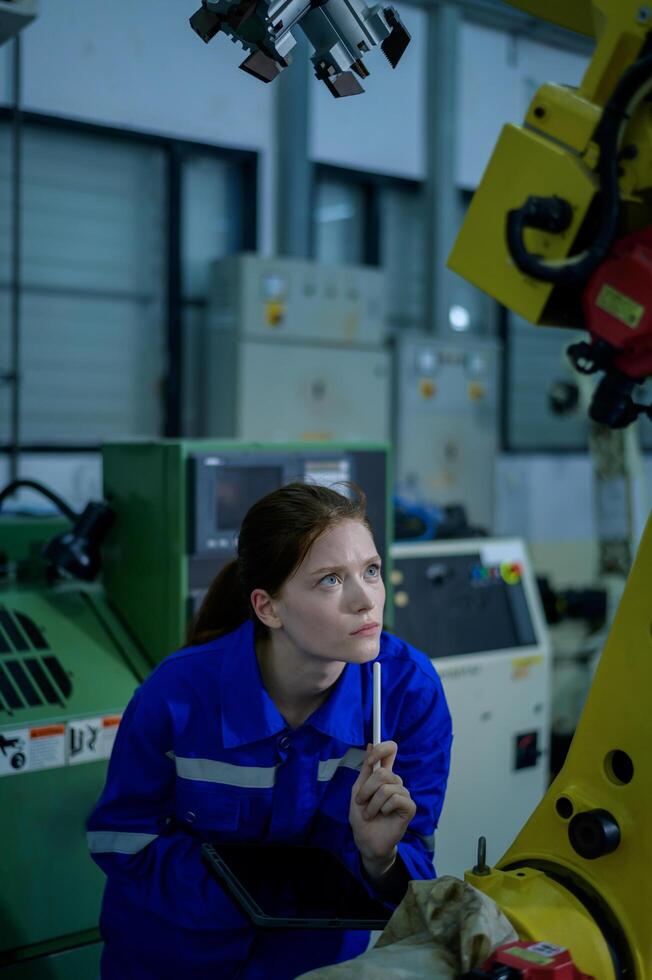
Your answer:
<point x="67" y="669"/>
<point x="72" y="654"/>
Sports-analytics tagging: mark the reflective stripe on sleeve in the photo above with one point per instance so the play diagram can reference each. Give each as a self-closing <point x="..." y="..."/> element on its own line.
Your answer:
<point x="211" y="771"/>
<point x="428" y="840"/>
<point x="352" y="760"/>
<point x="117" y="842"/>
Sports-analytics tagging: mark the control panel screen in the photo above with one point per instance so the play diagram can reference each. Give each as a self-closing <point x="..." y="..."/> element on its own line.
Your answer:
<point x="237" y="488"/>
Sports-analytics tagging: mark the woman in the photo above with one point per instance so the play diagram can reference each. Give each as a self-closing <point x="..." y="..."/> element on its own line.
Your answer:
<point x="260" y="730"/>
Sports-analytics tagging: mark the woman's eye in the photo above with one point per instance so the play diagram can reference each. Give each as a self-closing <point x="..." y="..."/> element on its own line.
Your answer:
<point x="373" y="571"/>
<point x="329" y="580"/>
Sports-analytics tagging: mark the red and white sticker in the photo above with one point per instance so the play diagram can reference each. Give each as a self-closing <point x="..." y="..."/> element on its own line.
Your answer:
<point x="52" y="746"/>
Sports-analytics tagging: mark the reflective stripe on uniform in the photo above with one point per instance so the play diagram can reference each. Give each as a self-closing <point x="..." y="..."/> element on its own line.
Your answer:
<point x="212" y="771"/>
<point x="117" y="842"/>
<point x="255" y="777"/>
<point x="428" y="841"/>
<point x="352" y="760"/>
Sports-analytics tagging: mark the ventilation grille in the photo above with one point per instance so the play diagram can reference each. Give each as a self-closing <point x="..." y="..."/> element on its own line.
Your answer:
<point x="30" y="675"/>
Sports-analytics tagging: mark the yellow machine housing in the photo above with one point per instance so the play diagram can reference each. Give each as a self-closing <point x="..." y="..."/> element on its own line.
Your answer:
<point x="577" y="874"/>
<point x="552" y="153"/>
<point x="551" y="892"/>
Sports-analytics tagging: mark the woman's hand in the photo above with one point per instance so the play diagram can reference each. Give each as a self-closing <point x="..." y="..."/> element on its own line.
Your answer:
<point x="381" y="809"/>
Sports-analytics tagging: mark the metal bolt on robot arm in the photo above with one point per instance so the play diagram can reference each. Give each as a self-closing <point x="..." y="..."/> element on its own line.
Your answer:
<point x="340" y="31"/>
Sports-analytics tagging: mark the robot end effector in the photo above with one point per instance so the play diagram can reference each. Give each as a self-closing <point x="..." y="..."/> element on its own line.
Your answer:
<point x="340" y="31"/>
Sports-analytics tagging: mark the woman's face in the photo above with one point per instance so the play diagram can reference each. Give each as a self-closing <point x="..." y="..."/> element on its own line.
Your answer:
<point x="332" y="607"/>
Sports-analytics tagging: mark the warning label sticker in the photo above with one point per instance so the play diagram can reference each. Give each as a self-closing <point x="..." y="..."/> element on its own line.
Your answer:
<point x="30" y="749"/>
<point x="53" y="746"/>
<point x="47" y="747"/>
<point x="91" y="739"/>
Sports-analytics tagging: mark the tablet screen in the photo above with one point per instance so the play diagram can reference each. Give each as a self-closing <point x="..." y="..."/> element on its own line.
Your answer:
<point x="282" y="882"/>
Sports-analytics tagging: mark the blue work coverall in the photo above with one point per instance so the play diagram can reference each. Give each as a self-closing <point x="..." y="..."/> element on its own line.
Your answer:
<point x="202" y="752"/>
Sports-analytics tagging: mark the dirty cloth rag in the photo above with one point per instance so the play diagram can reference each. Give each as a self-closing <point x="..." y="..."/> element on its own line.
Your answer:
<point x="442" y="928"/>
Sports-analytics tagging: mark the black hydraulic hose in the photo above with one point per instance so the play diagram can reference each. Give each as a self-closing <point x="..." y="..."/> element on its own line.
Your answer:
<point x="575" y="270"/>
<point x="50" y="494"/>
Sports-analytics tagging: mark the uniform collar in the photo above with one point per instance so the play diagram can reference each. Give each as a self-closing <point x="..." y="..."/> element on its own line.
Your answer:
<point x="250" y="715"/>
<point x="248" y="712"/>
<point x="340" y="716"/>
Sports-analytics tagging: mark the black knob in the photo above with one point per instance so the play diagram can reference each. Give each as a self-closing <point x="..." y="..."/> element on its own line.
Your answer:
<point x="594" y="833"/>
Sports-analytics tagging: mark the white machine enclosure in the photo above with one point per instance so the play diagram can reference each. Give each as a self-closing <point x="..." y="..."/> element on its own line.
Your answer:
<point x="295" y="351"/>
<point x="499" y="697"/>
<point x="446" y="423"/>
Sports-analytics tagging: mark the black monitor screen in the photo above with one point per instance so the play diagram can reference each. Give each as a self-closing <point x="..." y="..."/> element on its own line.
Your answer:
<point x="237" y="488"/>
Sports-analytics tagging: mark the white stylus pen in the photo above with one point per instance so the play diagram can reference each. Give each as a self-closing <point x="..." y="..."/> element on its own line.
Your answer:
<point x="376" y="719"/>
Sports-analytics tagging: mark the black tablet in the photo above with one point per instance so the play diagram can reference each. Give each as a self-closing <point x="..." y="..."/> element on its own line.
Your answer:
<point x="281" y="886"/>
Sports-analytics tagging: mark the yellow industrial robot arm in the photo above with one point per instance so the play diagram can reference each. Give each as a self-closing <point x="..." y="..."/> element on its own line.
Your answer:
<point x="559" y="228"/>
<point x="578" y="874"/>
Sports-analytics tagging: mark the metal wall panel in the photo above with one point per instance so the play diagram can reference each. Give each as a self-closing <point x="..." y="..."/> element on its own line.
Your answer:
<point x="339" y="221"/>
<point x="536" y="359"/>
<point x="210" y="223"/>
<point x="5" y="355"/>
<point x="94" y="251"/>
<point x="403" y="256"/>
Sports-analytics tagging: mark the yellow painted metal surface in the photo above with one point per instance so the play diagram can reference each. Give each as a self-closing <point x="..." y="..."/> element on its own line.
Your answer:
<point x="620" y="31"/>
<point x="523" y="163"/>
<point x="543" y="910"/>
<point x="564" y="115"/>
<point x="539" y="878"/>
<point x="616" y="719"/>
<point x="554" y="154"/>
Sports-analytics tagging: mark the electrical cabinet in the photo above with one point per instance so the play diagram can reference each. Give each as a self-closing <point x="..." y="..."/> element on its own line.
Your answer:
<point x="295" y="351"/>
<point x="446" y="423"/>
<point x="473" y="607"/>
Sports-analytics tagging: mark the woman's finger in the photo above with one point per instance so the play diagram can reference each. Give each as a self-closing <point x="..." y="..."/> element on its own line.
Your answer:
<point x="376" y="779"/>
<point x="383" y="752"/>
<point x="382" y="795"/>
<point x="400" y="805"/>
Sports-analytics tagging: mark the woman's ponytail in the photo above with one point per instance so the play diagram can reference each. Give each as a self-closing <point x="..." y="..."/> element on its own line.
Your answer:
<point x="225" y="607"/>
